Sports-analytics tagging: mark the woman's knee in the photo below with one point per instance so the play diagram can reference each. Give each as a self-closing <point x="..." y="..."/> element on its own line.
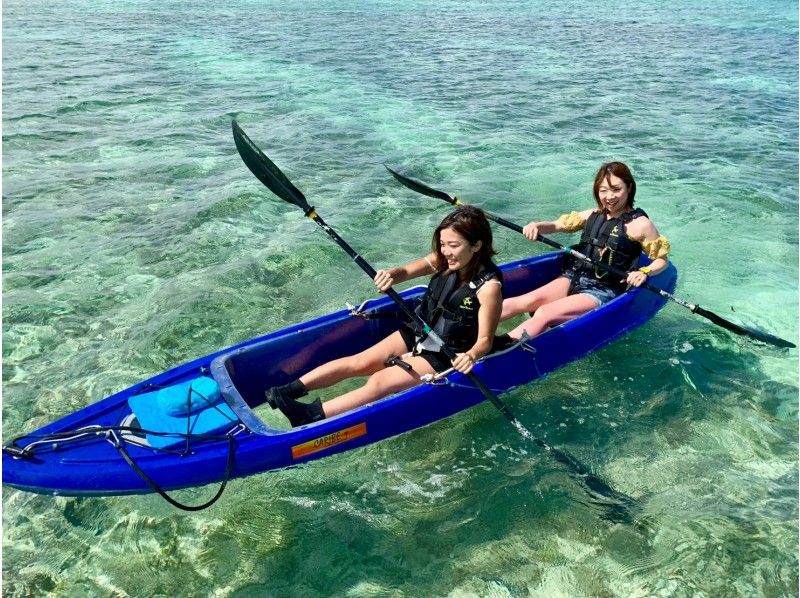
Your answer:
<point x="517" y="305"/>
<point x="535" y="303"/>
<point x="559" y="312"/>
<point x="358" y="365"/>
<point x="386" y="382"/>
<point x="376" y="386"/>
<point x="374" y="359"/>
<point x="546" y="314"/>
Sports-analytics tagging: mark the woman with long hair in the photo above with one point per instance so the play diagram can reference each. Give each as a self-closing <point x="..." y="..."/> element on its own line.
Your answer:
<point x="614" y="233"/>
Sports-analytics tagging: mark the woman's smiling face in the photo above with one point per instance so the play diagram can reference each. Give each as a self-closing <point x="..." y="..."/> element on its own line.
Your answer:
<point x="456" y="250"/>
<point x="613" y="193"/>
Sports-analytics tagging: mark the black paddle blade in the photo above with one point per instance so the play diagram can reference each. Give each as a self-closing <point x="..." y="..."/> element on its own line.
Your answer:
<point x="617" y="507"/>
<point x="759" y="335"/>
<point x="421" y="187"/>
<point x="266" y="171"/>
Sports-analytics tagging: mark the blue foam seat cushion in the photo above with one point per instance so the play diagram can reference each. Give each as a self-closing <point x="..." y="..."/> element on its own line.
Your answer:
<point x="168" y="410"/>
<point x="189" y="397"/>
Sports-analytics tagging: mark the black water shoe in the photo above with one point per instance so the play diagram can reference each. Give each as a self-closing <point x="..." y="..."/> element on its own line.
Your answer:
<point x="293" y="390"/>
<point x="300" y="414"/>
<point x="285" y="398"/>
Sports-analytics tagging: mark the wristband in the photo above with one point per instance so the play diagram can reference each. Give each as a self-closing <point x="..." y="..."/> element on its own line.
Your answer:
<point x="645" y="270"/>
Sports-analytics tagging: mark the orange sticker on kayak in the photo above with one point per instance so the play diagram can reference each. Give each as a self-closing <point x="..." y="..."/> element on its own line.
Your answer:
<point x="329" y="440"/>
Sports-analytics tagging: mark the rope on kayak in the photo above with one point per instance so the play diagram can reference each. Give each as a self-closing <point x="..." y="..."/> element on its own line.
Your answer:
<point x="112" y="437"/>
<point x="56" y="440"/>
<point x="53" y="440"/>
<point x="118" y="435"/>
<point x="114" y="434"/>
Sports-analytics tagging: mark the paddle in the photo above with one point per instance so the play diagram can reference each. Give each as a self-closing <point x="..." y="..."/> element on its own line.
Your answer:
<point x="618" y="505"/>
<point x="695" y="309"/>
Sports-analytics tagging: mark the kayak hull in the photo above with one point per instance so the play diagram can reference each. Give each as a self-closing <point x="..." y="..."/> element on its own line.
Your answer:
<point x="94" y="466"/>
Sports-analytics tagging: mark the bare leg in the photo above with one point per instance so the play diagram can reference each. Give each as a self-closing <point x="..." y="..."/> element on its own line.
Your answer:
<point x="367" y="362"/>
<point x="555" y="313"/>
<point x="552" y="291"/>
<point x="379" y="385"/>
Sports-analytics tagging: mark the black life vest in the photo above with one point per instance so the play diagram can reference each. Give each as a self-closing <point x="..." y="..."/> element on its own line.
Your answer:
<point x="607" y="242"/>
<point x="452" y="311"/>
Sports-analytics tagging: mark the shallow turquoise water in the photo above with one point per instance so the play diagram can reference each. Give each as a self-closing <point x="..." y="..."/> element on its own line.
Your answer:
<point x="134" y="239"/>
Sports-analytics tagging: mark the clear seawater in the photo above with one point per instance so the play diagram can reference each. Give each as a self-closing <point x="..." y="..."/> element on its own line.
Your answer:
<point x="134" y="239"/>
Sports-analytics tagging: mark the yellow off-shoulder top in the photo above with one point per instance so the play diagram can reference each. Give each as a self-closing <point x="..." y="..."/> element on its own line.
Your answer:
<point x="656" y="248"/>
<point x="571" y="222"/>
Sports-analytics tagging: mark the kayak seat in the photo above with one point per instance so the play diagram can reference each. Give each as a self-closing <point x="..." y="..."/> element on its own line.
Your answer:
<point x="195" y="406"/>
<point x="222" y="369"/>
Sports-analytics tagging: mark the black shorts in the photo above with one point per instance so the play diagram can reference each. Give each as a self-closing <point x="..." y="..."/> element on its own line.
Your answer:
<point x="436" y="359"/>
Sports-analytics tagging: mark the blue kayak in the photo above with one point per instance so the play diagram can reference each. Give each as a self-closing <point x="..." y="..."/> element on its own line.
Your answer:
<point x="195" y="424"/>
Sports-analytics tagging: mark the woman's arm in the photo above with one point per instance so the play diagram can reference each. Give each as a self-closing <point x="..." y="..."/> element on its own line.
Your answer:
<point x="491" y="299"/>
<point x="413" y="269"/>
<point x="655" y="245"/>
<point x="566" y="223"/>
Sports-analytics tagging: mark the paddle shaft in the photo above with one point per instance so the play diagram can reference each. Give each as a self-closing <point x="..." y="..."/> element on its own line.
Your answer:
<point x="594" y="485"/>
